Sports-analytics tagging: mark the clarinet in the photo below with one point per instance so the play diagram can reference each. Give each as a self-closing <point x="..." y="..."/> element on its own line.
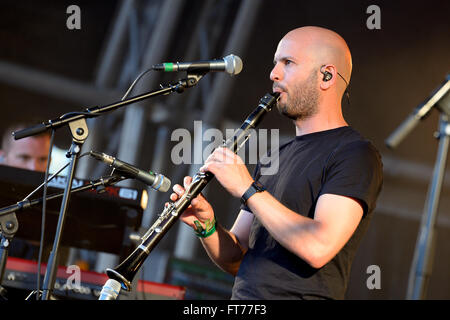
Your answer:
<point x="125" y="272"/>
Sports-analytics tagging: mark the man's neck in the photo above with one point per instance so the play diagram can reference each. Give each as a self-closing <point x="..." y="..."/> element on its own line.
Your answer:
<point x="319" y="122"/>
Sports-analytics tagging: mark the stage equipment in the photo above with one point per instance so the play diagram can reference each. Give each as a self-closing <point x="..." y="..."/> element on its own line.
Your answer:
<point x="20" y="278"/>
<point x="230" y="64"/>
<point x="421" y="266"/>
<point x="79" y="131"/>
<point x="155" y="180"/>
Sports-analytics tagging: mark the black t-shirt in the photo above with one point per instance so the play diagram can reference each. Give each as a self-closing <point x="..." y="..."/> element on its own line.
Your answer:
<point x="337" y="161"/>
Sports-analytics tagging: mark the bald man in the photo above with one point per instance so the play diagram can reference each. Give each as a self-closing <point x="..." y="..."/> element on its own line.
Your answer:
<point x="297" y="232"/>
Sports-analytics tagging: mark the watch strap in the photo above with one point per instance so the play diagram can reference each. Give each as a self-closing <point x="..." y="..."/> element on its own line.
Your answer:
<point x="254" y="188"/>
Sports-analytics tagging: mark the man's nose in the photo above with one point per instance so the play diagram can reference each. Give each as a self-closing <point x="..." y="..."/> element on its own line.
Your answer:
<point x="35" y="165"/>
<point x="31" y="165"/>
<point x="276" y="74"/>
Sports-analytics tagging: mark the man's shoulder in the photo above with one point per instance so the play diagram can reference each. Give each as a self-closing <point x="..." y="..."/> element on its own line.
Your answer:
<point x="354" y="140"/>
<point x="355" y="145"/>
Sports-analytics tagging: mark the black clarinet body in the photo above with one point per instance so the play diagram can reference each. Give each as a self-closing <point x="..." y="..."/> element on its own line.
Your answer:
<point x="125" y="272"/>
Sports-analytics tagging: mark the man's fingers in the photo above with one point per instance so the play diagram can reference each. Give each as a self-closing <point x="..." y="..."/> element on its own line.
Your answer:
<point x="187" y="181"/>
<point x="179" y="190"/>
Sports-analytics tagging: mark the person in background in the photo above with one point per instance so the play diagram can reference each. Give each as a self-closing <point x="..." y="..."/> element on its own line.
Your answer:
<point x="28" y="153"/>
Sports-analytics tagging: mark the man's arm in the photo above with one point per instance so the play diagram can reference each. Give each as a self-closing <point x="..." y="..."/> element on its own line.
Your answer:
<point x="225" y="248"/>
<point x="317" y="240"/>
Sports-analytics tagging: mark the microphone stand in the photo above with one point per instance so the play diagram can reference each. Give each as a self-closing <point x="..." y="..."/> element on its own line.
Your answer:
<point x="79" y="131"/>
<point x="420" y="270"/>
<point x="421" y="267"/>
<point x="8" y="228"/>
<point x="191" y="80"/>
<point x="9" y="224"/>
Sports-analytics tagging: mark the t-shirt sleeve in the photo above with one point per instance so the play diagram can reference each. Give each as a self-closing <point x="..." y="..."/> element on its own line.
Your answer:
<point x="355" y="170"/>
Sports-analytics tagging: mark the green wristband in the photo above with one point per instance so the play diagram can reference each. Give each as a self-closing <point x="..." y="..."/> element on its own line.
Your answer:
<point x="205" y="232"/>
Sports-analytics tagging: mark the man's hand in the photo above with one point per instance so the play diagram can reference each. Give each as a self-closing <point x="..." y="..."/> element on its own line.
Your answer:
<point x="229" y="170"/>
<point x="199" y="209"/>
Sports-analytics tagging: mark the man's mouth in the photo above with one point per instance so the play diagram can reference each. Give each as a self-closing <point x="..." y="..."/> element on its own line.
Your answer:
<point x="278" y="88"/>
<point x="281" y="92"/>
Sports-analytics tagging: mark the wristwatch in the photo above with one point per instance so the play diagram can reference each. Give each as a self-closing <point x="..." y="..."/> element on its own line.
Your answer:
<point x="254" y="188"/>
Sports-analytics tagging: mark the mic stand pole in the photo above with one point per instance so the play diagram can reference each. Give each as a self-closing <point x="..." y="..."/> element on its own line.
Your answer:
<point x="8" y="228"/>
<point x="79" y="131"/>
<point x="421" y="267"/>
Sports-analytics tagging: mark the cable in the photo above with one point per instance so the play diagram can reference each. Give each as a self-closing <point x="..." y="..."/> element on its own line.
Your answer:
<point x="346" y="92"/>
<point x="44" y="203"/>
<point x="134" y="83"/>
<point x="123" y="98"/>
<point x="48" y="180"/>
<point x="76" y="113"/>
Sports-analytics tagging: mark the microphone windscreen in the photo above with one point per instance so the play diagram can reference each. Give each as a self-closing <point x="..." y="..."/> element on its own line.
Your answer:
<point x="233" y="64"/>
<point x="165" y="185"/>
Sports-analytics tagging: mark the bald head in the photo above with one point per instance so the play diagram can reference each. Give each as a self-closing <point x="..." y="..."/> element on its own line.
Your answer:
<point x="322" y="47"/>
<point x="303" y="57"/>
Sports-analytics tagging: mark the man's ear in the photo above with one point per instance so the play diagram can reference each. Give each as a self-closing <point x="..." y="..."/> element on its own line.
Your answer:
<point x="329" y="74"/>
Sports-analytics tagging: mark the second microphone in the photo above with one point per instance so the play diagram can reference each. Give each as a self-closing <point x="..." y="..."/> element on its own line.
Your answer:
<point x="154" y="180"/>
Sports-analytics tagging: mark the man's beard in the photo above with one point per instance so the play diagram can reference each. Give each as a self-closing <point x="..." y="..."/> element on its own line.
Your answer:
<point x="302" y="100"/>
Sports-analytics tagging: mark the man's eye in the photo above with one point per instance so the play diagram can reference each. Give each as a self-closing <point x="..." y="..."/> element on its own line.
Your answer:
<point x="23" y="157"/>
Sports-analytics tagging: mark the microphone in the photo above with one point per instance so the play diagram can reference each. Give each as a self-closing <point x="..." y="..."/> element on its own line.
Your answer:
<point x="230" y="64"/>
<point x="110" y="290"/>
<point x="156" y="181"/>
<point x="439" y="97"/>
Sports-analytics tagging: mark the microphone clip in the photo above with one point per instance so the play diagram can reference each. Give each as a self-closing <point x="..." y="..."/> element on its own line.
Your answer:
<point x="192" y="78"/>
